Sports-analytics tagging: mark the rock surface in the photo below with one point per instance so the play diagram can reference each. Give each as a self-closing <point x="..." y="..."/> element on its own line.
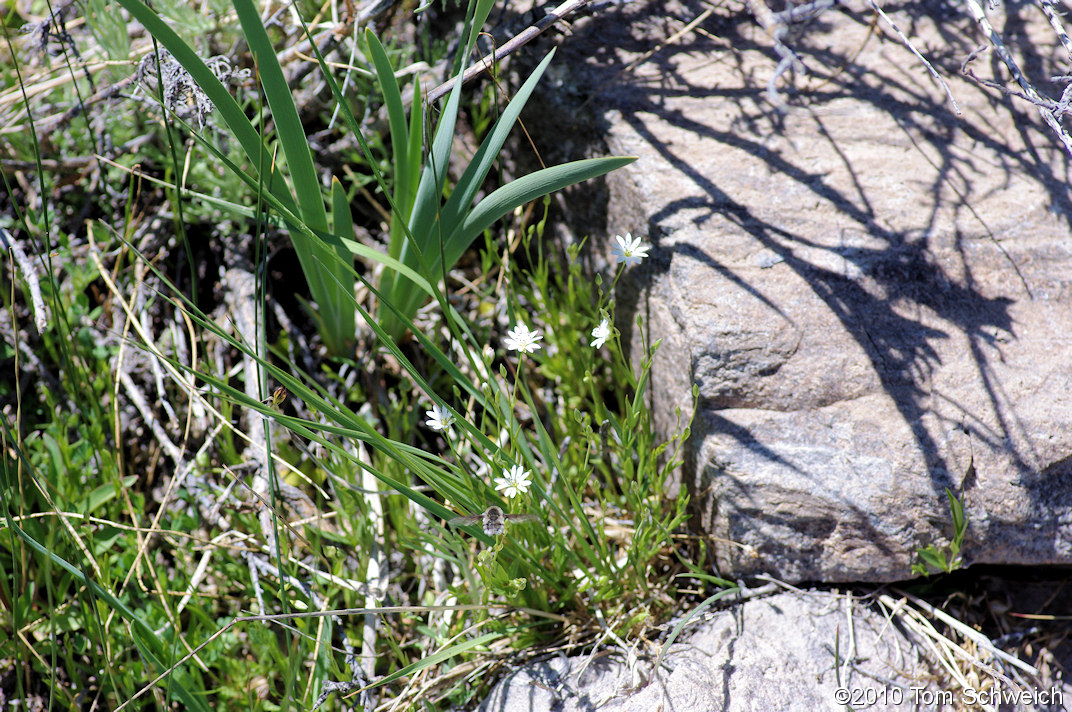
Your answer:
<point x="872" y="293"/>
<point x="776" y="653"/>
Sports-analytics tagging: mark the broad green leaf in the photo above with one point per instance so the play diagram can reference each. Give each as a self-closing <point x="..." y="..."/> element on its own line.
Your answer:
<point x="424" y="219"/>
<point x="327" y="281"/>
<point x="472" y="179"/>
<point x="526" y="188"/>
<point x="480" y="15"/>
<point x="400" y="143"/>
<point x="329" y="284"/>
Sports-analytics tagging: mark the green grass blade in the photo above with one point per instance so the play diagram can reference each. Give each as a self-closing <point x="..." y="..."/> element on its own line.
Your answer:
<point x="520" y="191"/>
<point x="502" y="202"/>
<point x="149" y="643"/>
<point x="437" y="657"/>
<point x="461" y="198"/>
<point x="342" y="221"/>
<point x="686" y="619"/>
<point x="424" y="220"/>
<point x="289" y="128"/>
<point x="416" y="145"/>
<point x="400" y="142"/>
<point x="327" y="279"/>
<point x="427" y="203"/>
<point x="480" y="16"/>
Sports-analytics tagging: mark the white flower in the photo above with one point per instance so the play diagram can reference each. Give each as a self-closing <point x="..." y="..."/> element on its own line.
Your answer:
<point x="439" y="418"/>
<point x="600" y="334"/>
<point x="514" y="481"/>
<point x="629" y="249"/>
<point x="521" y="339"/>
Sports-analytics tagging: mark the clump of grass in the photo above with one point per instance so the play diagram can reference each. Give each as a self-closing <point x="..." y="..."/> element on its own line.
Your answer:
<point x="201" y="507"/>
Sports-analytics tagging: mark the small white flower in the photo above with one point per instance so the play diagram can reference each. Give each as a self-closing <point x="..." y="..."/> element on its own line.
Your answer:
<point x="439" y="418"/>
<point x="600" y="334"/>
<point x="630" y="250"/>
<point x="521" y="339"/>
<point x="514" y="481"/>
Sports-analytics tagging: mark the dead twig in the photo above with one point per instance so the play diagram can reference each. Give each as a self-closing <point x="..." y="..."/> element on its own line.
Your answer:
<point x="521" y="39"/>
<point x="1043" y="105"/>
<point x="911" y="48"/>
<point x="776" y="27"/>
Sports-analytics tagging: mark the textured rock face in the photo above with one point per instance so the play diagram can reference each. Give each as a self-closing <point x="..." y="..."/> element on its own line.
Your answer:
<point x="871" y="292"/>
<point x="778" y="653"/>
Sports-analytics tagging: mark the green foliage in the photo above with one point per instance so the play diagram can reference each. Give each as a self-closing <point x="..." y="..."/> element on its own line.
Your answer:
<point x="108" y="29"/>
<point x="62" y="555"/>
<point x="945" y="560"/>
<point x="133" y="538"/>
<point x="428" y="235"/>
<point x="303" y="210"/>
